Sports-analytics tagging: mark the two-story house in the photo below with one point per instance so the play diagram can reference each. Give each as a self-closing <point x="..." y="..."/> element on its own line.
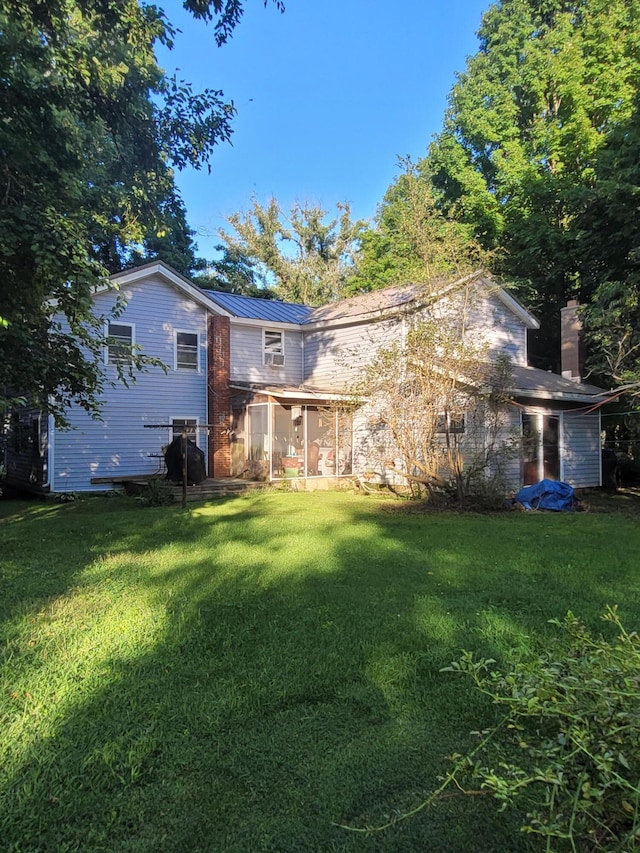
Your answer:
<point x="257" y="383"/>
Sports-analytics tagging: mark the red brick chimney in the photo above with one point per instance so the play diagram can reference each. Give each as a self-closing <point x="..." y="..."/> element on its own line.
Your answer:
<point x="572" y="347"/>
<point x="219" y="395"/>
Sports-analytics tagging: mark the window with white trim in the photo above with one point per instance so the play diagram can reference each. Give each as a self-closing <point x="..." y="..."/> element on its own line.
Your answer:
<point x="186" y="351"/>
<point x="451" y="422"/>
<point x="273" y="347"/>
<point x="188" y="425"/>
<point x="120" y="342"/>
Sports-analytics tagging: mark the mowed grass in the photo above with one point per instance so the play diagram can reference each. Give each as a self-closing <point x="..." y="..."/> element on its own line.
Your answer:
<point x="255" y="674"/>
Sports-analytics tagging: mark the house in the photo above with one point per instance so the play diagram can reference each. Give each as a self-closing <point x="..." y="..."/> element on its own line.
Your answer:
<point x="258" y="383"/>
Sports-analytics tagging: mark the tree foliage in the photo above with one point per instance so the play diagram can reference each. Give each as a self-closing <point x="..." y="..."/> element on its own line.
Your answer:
<point x="568" y="748"/>
<point x="93" y="131"/>
<point x="305" y="256"/>
<point x="550" y="88"/>
<point x="233" y="272"/>
<point x="412" y="240"/>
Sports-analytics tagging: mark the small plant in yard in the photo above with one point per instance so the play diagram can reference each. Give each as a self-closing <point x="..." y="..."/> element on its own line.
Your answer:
<point x="158" y="493"/>
<point x="569" y="744"/>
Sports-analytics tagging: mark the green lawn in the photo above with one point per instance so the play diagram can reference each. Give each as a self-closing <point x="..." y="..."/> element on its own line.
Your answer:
<point x="249" y="674"/>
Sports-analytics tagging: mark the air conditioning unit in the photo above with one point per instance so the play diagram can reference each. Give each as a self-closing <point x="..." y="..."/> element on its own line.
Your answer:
<point x="274" y="359"/>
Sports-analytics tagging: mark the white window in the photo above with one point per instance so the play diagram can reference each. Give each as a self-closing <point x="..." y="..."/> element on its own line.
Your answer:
<point x="273" y="348"/>
<point x="451" y="422"/>
<point x="120" y="342"/>
<point x="187" y="351"/>
<point x="188" y="425"/>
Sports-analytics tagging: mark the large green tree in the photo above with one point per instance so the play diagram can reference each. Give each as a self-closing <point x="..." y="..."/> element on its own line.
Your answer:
<point x="92" y="130"/>
<point x="552" y="82"/>
<point x="306" y="256"/>
<point x="412" y="240"/>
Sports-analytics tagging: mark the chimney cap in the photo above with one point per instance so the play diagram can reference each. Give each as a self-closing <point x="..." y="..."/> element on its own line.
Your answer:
<point x="572" y="303"/>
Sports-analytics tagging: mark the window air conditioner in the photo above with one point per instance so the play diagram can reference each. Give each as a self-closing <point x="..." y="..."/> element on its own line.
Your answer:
<point x="274" y="359"/>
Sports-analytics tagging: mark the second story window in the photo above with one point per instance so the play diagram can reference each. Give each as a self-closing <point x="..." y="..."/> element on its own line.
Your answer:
<point x="120" y="343"/>
<point x="186" y="351"/>
<point x="273" y="348"/>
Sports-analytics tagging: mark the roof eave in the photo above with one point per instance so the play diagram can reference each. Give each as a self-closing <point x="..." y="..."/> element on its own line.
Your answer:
<point x="541" y="394"/>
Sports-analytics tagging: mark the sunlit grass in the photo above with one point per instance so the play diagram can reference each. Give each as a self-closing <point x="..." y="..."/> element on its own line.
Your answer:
<point x="249" y="673"/>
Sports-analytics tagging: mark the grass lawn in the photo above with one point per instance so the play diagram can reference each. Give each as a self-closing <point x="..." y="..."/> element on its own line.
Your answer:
<point x="251" y="673"/>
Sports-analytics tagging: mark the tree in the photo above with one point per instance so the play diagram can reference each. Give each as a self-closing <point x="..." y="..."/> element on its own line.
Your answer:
<point x="526" y="121"/>
<point x="436" y="404"/>
<point x="233" y="272"/>
<point x="171" y="242"/>
<point x="95" y="131"/>
<point x="412" y="240"/>
<point x="608" y="236"/>
<point x="305" y="257"/>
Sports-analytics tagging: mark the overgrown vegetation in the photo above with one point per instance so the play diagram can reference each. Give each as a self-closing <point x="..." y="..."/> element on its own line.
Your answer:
<point x="571" y="715"/>
<point x="246" y="675"/>
<point x="436" y="403"/>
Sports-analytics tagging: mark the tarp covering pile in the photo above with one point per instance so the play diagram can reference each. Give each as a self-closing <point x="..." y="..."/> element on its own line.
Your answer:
<point x="547" y="494"/>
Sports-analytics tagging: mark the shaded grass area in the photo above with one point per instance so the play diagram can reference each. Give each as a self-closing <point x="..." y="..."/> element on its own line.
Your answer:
<point x="248" y="674"/>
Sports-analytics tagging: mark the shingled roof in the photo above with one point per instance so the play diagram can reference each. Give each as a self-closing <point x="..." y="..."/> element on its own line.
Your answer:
<point x="531" y="382"/>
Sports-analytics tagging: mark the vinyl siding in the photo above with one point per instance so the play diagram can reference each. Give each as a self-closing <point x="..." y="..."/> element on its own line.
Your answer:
<point x="119" y="444"/>
<point x="335" y="356"/>
<point x="246" y="356"/>
<point x="503" y="332"/>
<point x="511" y="435"/>
<point x="581" y="451"/>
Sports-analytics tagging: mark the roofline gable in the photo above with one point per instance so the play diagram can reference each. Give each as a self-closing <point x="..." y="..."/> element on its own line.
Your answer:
<point x="171" y="277"/>
<point x="417" y="301"/>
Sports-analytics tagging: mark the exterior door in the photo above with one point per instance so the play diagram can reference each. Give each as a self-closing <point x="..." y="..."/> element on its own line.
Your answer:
<point x="541" y="447"/>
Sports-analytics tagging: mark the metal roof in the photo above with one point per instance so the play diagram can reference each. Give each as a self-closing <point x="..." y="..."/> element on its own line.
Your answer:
<point x="252" y="308"/>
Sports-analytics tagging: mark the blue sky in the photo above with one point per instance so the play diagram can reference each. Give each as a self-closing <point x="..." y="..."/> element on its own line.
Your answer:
<point x="329" y="95"/>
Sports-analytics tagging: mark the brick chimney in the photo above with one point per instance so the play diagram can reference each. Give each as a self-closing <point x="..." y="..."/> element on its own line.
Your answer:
<point x="219" y="396"/>
<point x="572" y="347"/>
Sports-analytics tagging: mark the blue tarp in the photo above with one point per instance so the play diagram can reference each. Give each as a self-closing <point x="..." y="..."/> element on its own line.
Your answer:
<point x="547" y="494"/>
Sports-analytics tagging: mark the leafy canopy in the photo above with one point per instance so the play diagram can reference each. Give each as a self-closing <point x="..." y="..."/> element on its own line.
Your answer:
<point x="521" y="149"/>
<point x="305" y="256"/>
<point x="412" y="240"/>
<point x="96" y="129"/>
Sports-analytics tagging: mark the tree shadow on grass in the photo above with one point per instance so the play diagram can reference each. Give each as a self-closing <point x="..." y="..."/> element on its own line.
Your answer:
<point x="248" y="678"/>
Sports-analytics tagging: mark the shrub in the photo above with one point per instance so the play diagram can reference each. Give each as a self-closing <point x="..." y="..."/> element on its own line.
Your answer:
<point x="158" y="492"/>
<point x="569" y="744"/>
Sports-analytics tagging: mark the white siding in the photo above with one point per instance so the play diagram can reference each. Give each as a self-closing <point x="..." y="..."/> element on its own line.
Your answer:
<point x="502" y="330"/>
<point x="581" y="452"/>
<point x="334" y="357"/>
<point x="119" y="444"/>
<point x="511" y="464"/>
<point x="246" y="357"/>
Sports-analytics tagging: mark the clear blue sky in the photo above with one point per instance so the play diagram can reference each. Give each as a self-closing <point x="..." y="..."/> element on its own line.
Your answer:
<point x="329" y="95"/>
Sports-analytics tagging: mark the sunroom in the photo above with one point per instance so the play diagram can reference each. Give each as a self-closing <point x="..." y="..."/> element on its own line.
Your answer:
<point x="285" y="433"/>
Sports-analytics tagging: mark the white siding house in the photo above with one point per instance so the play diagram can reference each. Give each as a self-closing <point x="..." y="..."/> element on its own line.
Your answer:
<point x="256" y="381"/>
<point x="120" y="443"/>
